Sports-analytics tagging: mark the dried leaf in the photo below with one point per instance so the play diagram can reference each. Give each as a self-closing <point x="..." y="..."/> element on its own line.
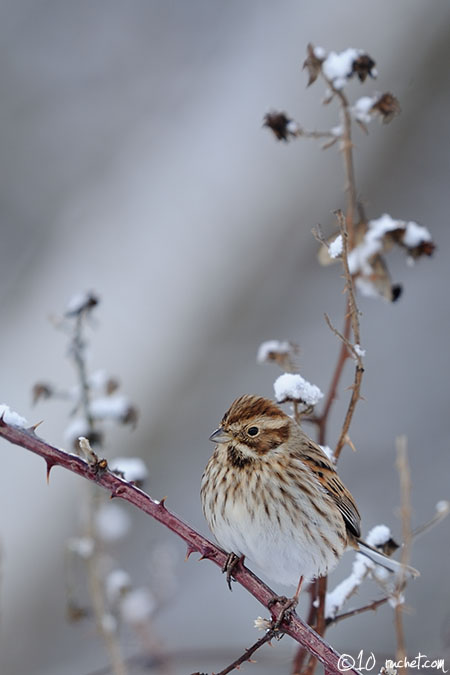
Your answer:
<point x="313" y="64"/>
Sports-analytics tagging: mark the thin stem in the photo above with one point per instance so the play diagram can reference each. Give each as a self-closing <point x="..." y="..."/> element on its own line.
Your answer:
<point x="405" y="491"/>
<point x="249" y="652"/>
<point x="354" y="317"/>
<point x="94" y="561"/>
<point x="359" y="610"/>
<point x="332" y="389"/>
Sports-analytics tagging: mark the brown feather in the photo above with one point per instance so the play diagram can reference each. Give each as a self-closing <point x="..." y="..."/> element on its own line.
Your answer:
<point x="324" y="470"/>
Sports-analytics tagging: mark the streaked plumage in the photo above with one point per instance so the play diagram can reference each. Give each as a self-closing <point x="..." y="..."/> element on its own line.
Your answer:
<point x="271" y="494"/>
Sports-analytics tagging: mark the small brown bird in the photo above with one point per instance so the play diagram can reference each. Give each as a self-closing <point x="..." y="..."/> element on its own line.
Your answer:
<point x="270" y="493"/>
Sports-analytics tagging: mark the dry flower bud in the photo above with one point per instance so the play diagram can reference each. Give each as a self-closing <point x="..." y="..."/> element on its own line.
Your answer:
<point x="261" y="623"/>
<point x="283" y="127"/>
<point x="387" y="106"/>
<point x="283" y="353"/>
<point x="363" y="66"/>
<point x="82" y="302"/>
<point x="41" y="390"/>
<point x="112" y="384"/>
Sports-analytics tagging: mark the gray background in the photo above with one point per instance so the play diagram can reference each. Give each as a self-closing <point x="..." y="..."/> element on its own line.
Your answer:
<point x="133" y="162"/>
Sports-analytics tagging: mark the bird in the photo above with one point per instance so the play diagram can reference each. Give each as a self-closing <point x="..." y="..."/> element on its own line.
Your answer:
<point x="270" y="494"/>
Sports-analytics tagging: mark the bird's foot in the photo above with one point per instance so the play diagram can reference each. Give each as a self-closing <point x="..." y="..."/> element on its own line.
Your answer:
<point x="230" y="565"/>
<point x="287" y="608"/>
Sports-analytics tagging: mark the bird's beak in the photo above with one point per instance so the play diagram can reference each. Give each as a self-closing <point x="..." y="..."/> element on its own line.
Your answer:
<point x="220" y="436"/>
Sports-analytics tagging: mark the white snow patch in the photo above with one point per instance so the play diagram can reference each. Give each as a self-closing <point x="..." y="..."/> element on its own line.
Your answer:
<point x="11" y="417"/>
<point x="109" y="623"/>
<point x="110" y="407"/>
<point x="133" y="468"/>
<point x="336" y="247"/>
<point x="82" y="546"/>
<point x="378" y="535"/>
<point x="272" y="347"/>
<point x="138" y="606"/>
<point x="361" y="352"/>
<point x="78" y="301"/>
<point x="337" y="131"/>
<point x="415" y="234"/>
<point x="319" y="53"/>
<point x="338" y="67"/>
<point x="293" y="387"/>
<point x="118" y="582"/>
<point x="112" y="522"/>
<point x="442" y="506"/>
<point x="292" y="127"/>
<point x="362" y="107"/>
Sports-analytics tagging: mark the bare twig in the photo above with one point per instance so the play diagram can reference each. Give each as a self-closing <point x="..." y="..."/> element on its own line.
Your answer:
<point x="120" y="488"/>
<point x="354" y="317"/>
<point x="246" y="656"/>
<point x="405" y="491"/>
<point x="359" y="610"/>
<point x="94" y="567"/>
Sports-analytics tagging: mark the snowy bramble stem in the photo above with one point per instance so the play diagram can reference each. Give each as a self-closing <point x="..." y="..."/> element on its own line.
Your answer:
<point x="99" y="473"/>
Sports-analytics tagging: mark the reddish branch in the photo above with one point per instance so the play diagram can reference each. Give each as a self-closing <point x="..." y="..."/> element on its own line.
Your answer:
<point x="119" y="488"/>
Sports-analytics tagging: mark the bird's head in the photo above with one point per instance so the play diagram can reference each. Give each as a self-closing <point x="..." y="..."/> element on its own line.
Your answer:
<point x="252" y="427"/>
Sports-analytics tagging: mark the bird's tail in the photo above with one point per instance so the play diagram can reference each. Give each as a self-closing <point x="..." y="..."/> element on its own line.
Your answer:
<point x="381" y="559"/>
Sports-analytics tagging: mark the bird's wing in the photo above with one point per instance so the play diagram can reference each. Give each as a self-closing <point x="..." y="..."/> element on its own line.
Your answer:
<point x="326" y="474"/>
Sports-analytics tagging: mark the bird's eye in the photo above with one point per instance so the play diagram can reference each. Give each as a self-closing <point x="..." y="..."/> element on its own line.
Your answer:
<point x="253" y="431"/>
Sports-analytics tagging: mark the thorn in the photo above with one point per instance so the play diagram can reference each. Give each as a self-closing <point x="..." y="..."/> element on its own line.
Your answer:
<point x="50" y="466"/>
<point x="116" y="492"/>
<point x="203" y="557"/>
<point x="33" y="427"/>
<point x="162" y="502"/>
<point x="189" y="552"/>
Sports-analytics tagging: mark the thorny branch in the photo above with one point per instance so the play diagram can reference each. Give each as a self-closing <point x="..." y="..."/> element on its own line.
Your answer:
<point x="99" y="473"/>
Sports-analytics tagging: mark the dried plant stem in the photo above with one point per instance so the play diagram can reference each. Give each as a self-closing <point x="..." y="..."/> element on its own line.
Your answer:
<point x="246" y="656"/>
<point x="346" y="225"/>
<point x="332" y="390"/>
<point x="347" y="152"/>
<point x="94" y="567"/>
<point x="354" y="316"/>
<point x="359" y="610"/>
<point x="120" y="488"/>
<point x="405" y="491"/>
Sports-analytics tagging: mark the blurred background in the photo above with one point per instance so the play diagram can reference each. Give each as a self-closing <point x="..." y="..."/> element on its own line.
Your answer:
<point x="134" y="163"/>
